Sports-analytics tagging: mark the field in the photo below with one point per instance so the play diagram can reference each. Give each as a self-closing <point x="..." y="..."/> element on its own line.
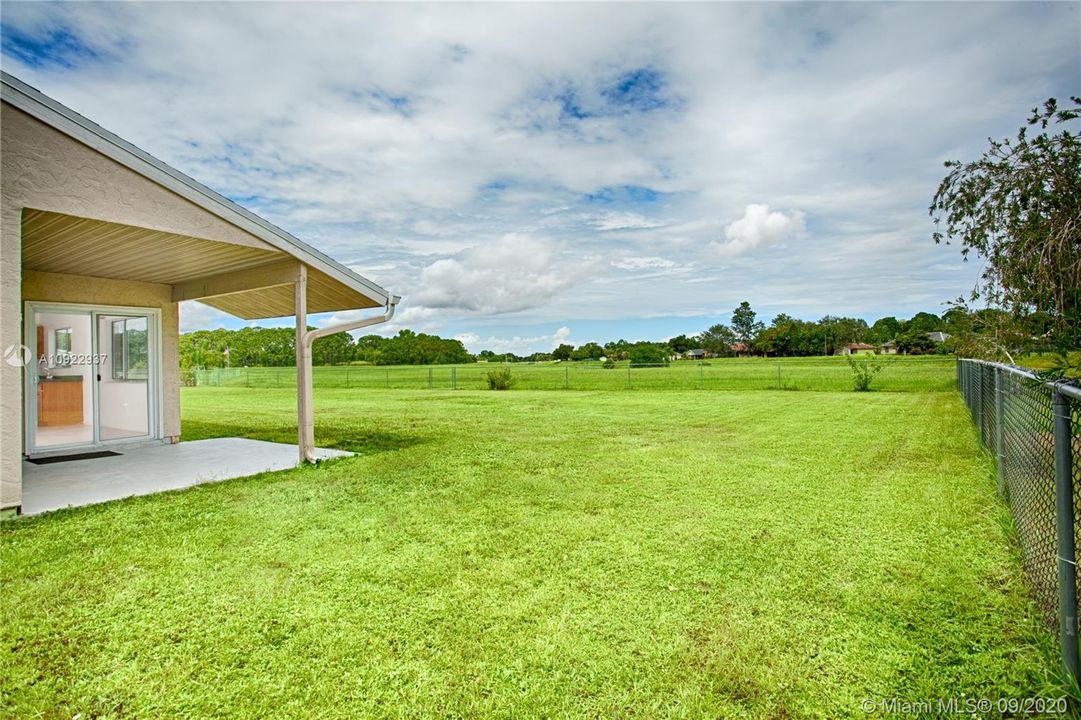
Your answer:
<point x="929" y="373"/>
<point x="751" y="553"/>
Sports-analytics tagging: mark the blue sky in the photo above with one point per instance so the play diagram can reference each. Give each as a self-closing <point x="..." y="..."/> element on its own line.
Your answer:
<point x="531" y="174"/>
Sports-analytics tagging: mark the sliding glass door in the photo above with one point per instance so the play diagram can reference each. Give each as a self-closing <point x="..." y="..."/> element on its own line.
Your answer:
<point x="94" y="379"/>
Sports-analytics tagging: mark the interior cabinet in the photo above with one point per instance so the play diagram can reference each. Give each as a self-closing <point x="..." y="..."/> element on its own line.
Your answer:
<point x="60" y="401"/>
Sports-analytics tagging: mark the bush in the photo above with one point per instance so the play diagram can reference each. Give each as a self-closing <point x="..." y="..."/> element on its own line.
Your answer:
<point x="863" y="371"/>
<point x="609" y="364"/>
<point x="500" y="379"/>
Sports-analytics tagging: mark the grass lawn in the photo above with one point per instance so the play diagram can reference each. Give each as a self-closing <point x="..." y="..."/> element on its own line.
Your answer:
<point x="530" y="554"/>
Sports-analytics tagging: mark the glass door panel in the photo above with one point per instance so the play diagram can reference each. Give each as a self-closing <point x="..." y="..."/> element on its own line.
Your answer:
<point x="61" y="377"/>
<point x="123" y="376"/>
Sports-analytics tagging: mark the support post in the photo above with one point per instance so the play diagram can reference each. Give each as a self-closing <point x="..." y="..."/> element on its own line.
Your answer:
<point x="1067" y="559"/>
<point x="305" y="418"/>
<point x="1000" y="434"/>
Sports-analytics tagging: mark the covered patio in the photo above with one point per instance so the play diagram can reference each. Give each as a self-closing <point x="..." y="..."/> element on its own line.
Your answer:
<point x="152" y="469"/>
<point x="101" y="244"/>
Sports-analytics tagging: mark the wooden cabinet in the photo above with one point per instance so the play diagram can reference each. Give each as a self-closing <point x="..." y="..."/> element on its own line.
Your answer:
<point x="60" y="401"/>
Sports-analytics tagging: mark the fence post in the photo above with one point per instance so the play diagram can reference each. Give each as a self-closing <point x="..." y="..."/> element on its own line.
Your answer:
<point x="429" y="378"/>
<point x="628" y="375"/>
<point x="978" y="375"/>
<point x="701" y="377"/>
<point x="454" y="378"/>
<point x="388" y="379"/>
<point x="566" y="376"/>
<point x="1000" y="434"/>
<point x="1067" y="561"/>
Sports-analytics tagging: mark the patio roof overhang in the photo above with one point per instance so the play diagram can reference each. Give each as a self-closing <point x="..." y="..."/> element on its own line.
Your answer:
<point x="252" y="283"/>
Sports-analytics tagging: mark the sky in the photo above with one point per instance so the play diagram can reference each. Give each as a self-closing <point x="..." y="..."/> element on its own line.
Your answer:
<point x="531" y="174"/>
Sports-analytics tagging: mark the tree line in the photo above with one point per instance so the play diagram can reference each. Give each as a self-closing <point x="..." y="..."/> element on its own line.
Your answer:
<point x="784" y="336"/>
<point x="274" y="347"/>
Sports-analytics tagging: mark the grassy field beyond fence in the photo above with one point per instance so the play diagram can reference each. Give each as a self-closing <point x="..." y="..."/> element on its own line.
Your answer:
<point x="934" y="373"/>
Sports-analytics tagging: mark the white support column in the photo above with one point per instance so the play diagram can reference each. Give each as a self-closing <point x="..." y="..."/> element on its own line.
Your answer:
<point x="305" y="416"/>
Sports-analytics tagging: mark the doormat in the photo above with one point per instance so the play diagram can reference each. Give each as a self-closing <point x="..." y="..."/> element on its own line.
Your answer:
<point x="68" y="458"/>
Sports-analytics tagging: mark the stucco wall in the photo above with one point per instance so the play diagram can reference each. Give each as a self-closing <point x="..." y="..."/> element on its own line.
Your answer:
<point x="11" y="379"/>
<point x="42" y="168"/>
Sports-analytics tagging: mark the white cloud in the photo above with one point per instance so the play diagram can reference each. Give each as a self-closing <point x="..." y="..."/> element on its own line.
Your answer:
<point x="517" y="344"/>
<point x="761" y="227"/>
<point x="195" y="315"/>
<point x="643" y="263"/>
<point x="514" y="273"/>
<point x="626" y="221"/>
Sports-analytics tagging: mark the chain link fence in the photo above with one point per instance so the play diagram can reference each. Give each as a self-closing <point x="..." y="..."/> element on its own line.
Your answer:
<point x="815" y="374"/>
<point x="1033" y="429"/>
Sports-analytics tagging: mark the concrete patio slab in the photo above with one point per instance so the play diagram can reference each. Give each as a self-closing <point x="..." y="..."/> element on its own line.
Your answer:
<point x="152" y="469"/>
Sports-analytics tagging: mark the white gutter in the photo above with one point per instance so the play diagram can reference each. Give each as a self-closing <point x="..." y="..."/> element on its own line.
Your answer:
<point x="313" y="335"/>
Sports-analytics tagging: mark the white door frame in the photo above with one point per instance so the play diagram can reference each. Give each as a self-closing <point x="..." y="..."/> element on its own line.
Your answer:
<point x="155" y="389"/>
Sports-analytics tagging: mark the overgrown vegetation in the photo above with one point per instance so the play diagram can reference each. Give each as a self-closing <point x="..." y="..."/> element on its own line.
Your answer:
<point x="500" y="379"/>
<point x="864" y="370"/>
<point x="629" y="555"/>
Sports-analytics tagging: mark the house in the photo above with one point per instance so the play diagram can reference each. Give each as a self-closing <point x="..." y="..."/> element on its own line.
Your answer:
<point x="696" y="354"/>
<point x="740" y="349"/>
<point x="857" y="348"/>
<point x="99" y="243"/>
<point x="938" y="337"/>
<point x="889" y="347"/>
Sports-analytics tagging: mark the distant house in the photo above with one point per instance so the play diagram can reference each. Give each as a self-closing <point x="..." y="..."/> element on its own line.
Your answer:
<point x="696" y="354"/>
<point x="857" y="349"/>
<point x="889" y="347"/>
<point x="938" y="337"/>
<point x="740" y="349"/>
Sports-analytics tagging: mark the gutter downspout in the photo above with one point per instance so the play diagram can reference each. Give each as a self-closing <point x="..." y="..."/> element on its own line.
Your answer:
<point x="306" y="417"/>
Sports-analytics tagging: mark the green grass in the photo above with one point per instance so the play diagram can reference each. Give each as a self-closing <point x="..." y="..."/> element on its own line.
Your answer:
<point x="901" y="374"/>
<point x="538" y="554"/>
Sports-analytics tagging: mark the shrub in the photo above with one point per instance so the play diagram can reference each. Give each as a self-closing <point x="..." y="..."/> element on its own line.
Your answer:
<point x="609" y="364"/>
<point x="500" y="379"/>
<point x="863" y="371"/>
